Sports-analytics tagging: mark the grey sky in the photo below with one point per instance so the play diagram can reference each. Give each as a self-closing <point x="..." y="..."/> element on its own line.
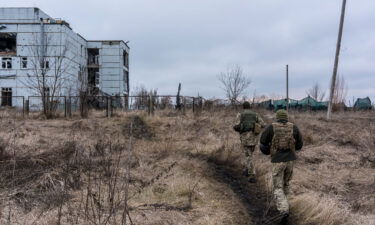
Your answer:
<point x="191" y="41"/>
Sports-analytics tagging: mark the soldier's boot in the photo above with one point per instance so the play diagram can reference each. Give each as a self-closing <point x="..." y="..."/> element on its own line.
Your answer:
<point x="252" y="179"/>
<point x="284" y="219"/>
<point x="245" y="172"/>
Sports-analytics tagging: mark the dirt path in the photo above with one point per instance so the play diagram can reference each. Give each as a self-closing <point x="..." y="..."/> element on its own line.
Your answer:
<point x="252" y="196"/>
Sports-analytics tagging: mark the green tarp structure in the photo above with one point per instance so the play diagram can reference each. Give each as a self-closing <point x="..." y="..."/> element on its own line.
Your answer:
<point x="279" y="104"/>
<point x="308" y="103"/>
<point x="311" y="103"/>
<point x="321" y="105"/>
<point x="266" y="104"/>
<point x="363" y="103"/>
<point x="293" y="103"/>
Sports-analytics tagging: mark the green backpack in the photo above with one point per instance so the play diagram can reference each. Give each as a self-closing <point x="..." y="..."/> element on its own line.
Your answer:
<point x="248" y="120"/>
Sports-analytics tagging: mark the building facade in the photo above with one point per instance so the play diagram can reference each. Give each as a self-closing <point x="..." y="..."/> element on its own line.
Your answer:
<point x="37" y="49"/>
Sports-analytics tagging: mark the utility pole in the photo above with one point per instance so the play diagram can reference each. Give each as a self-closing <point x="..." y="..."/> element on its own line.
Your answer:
<point x="287" y="87"/>
<point x="337" y="56"/>
<point x="178" y="100"/>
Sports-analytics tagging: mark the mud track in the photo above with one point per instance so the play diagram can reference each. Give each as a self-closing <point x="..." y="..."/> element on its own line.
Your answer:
<point x="252" y="196"/>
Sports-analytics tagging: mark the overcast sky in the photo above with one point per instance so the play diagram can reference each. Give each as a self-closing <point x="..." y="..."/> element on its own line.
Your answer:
<point x="192" y="41"/>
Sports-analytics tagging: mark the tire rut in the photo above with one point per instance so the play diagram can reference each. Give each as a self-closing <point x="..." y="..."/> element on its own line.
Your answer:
<point x="253" y="197"/>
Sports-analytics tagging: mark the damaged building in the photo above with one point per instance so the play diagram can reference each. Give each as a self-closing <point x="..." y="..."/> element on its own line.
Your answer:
<point x="32" y="41"/>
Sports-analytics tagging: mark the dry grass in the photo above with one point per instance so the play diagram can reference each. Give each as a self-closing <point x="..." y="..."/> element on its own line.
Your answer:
<point x="332" y="181"/>
<point x="49" y="170"/>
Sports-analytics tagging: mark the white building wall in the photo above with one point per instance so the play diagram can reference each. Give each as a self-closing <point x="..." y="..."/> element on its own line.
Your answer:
<point x="21" y="15"/>
<point x="25" y="22"/>
<point x="111" y="66"/>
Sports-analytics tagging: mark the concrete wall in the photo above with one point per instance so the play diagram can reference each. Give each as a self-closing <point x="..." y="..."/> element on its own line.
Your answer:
<point x="111" y="66"/>
<point x="60" y="40"/>
<point x="21" y="15"/>
<point x="25" y="22"/>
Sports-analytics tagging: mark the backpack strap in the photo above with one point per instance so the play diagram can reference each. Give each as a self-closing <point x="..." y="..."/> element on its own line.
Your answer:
<point x="282" y="137"/>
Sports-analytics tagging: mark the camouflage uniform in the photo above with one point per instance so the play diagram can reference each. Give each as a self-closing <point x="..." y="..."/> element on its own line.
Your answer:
<point x="249" y="140"/>
<point x="281" y="175"/>
<point x="281" y="140"/>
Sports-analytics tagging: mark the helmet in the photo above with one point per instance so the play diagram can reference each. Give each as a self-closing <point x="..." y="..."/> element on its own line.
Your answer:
<point x="282" y="114"/>
<point x="246" y="105"/>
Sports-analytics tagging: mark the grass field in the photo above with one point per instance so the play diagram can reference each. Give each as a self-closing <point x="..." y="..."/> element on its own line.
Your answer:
<point x="179" y="169"/>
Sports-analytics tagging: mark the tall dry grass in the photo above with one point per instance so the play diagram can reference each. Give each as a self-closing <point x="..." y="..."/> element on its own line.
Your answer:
<point x="89" y="171"/>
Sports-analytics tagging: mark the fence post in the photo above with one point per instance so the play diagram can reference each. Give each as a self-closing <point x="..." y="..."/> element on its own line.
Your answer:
<point x="184" y="105"/>
<point x="193" y="104"/>
<point x="126" y="102"/>
<point x="23" y="106"/>
<point x="27" y="107"/>
<point x="70" y="106"/>
<point x="123" y="99"/>
<point x="65" y="107"/>
<point x="200" y="103"/>
<point x="106" y="108"/>
<point x="109" y="107"/>
<point x="150" y="105"/>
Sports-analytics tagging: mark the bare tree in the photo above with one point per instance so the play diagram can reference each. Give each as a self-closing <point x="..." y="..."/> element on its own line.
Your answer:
<point x="49" y="71"/>
<point x="234" y="82"/>
<point x="83" y="91"/>
<point x="142" y="97"/>
<point x="340" y="91"/>
<point x="316" y="92"/>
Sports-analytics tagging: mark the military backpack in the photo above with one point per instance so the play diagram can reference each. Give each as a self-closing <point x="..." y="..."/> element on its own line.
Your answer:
<point x="248" y="121"/>
<point x="283" y="138"/>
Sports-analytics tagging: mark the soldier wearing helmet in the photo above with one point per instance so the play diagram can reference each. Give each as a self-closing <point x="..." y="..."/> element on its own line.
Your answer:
<point x="281" y="140"/>
<point x="249" y="127"/>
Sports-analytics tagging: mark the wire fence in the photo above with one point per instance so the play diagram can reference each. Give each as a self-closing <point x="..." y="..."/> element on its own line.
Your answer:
<point x="12" y="106"/>
<point x="106" y="106"/>
<point x="102" y="106"/>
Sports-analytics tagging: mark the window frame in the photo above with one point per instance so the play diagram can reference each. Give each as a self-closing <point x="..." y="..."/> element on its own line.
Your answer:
<point x="5" y="61"/>
<point x="22" y="61"/>
<point x="45" y="64"/>
<point x="8" y="98"/>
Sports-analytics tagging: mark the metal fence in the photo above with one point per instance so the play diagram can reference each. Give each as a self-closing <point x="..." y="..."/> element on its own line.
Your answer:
<point x="106" y="106"/>
<point x="102" y="106"/>
<point x="12" y="106"/>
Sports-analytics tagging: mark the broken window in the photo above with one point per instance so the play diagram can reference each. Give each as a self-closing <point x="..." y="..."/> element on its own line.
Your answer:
<point x="97" y="79"/>
<point x="6" y="63"/>
<point x="126" y="59"/>
<point x="46" y="91"/>
<point x="82" y="50"/>
<point x="93" y="80"/>
<point x="93" y="56"/>
<point x="44" y="64"/>
<point x="24" y="62"/>
<point x="80" y="73"/>
<point x="126" y="81"/>
<point x="8" y="43"/>
<point x="6" y="96"/>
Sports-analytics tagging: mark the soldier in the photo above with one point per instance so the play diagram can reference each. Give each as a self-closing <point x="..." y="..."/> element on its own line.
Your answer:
<point x="249" y="128"/>
<point x="281" y="139"/>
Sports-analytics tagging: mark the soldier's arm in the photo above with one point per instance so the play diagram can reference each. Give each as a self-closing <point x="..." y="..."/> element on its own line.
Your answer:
<point x="260" y="121"/>
<point x="266" y="139"/>
<point x="298" y="137"/>
<point x="238" y="118"/>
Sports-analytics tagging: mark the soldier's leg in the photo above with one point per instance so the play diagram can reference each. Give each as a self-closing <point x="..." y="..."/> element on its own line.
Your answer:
<point x="288" y="176"/>
<point x="250" y="163"/>
<point x="278" y="171"/>
<point x="246" y="169"/>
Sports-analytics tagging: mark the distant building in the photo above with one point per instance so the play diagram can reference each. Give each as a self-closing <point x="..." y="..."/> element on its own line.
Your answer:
<point x="103" y="65"/>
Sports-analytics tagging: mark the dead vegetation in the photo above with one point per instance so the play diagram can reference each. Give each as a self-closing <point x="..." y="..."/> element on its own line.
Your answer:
<point x="176" y="168"/>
